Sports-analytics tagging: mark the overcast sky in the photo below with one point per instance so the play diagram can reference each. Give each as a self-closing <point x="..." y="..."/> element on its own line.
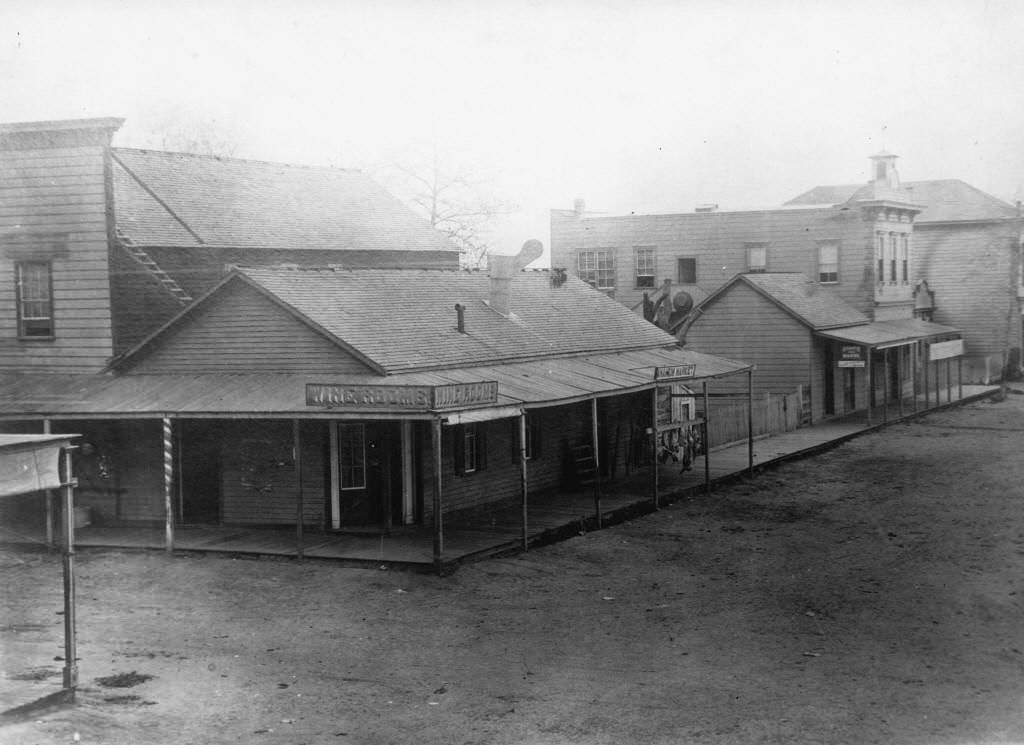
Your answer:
<point x="635" y="106"/>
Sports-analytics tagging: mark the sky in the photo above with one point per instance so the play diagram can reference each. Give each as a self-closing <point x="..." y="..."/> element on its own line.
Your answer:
<point x="638" y="106"/>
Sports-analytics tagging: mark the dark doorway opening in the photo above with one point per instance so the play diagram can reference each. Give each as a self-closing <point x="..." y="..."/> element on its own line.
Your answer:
<point x="200" y="469"/>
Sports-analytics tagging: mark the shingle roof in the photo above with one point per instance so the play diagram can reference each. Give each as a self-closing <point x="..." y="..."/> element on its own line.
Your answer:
<point x="945" y="200"/>
<point x="816" y="306"/>
<point x="172" y="199"/>
<point x="405" y="320"/>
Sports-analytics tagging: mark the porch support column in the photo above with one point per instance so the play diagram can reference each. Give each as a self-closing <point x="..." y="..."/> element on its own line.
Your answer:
<point x="885" y="385"/>
<point x="70" y="642"/>
<point x="299" y="517"/>
<point x="750" y="422"/>
<point x="899" y="379"/>
<point x="654" y="445"/>
<point x="435" y="445"/>
<point x="597" y="460"/>
<point x="927" y="396"/>
<point x="168" y="433"/>
<point x="949" y="382"/>
<point x="960" y="378"/>
<point x="523" y="475"/>
<point x="48" y="499"/>
<point x="915" y="351"/>
<point x="868" y="387"/>
<point x="707" y="445"/>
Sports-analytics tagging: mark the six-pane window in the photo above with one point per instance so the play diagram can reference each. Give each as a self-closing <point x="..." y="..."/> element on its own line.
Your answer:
<point x="757" y="257"/>
<point x="598" y="268"/>
<point x="35" y="299"/>
<point x="828" y="262"/>
<point x="686" y="270"/>
<point x="644" y="261"/>
<point x="352" y="455"/>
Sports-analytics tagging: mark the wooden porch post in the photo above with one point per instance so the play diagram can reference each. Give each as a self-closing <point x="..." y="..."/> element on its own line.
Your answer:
<point x="750" y="422"/>
<point x="48" y="499"/>
<point x="597" y="460"/>
<point x="523" y="475"/>
<point x="927" y="396"/>
<point x="168" y="433"/>
<point x="435" y="442"/>
<point x="899" y="379"/>
<point x="885" y="385"/>
<point x="868" y="387"/>
<point x="707" y="445"/>
<point x="914" y="370"/>
<point x="654" y="445"/>
<point x="70" y="642"/>
<point x="949" y="381"/>
<point x="960" y="378"/>
<point x="299" y="516"/>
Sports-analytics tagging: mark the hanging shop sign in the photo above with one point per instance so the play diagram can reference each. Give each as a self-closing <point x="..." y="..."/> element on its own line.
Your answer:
<point x="402" y="397"/>
<point x="675" y="372"/>
<point x="943" y="350"/>
<point x="851" y="355"/>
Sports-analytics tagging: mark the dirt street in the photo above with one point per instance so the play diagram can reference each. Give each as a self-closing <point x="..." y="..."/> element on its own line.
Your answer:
<point x="871" y="594"/>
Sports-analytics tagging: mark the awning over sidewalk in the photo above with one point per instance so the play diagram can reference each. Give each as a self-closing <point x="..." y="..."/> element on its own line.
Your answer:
<point x="883" y="334"/>
<point x="534" y="383"/>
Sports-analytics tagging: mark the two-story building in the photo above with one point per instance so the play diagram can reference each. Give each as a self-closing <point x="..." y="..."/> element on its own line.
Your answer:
<point x="855" y="258"/>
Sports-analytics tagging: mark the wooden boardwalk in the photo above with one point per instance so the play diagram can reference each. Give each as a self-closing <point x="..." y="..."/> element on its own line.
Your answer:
<point x="549" y="518"/>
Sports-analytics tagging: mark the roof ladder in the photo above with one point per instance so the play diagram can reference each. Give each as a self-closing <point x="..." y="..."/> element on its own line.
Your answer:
<point x="167" y="281"/>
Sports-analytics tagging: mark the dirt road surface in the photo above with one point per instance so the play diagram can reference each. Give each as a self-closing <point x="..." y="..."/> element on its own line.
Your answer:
<point x="871" y="594"/>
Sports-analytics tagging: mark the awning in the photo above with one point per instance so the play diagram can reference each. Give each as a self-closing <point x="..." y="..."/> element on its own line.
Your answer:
<point x="883" y="334"/>
<point x="30" y="463"/>
<point x="543" y="382"/>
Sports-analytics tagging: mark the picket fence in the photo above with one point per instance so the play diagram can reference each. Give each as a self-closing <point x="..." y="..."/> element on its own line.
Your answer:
<point x="772" y="414"/>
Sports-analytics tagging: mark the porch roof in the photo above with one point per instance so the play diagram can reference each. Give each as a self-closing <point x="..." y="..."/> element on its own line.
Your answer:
<point x="537" y="383"/>
<point x="882" y="334"/>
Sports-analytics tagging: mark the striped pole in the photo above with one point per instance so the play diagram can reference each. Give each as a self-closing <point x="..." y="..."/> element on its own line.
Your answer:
<point x="168" y="484"/>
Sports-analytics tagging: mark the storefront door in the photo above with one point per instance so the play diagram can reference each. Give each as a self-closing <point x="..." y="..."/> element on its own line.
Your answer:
<point x="366" y="473"/>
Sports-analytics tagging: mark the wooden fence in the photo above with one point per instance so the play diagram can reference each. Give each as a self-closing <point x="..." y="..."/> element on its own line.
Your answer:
<point x="772" y="414"/>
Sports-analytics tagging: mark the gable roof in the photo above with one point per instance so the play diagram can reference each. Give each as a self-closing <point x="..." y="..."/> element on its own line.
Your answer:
<point x="405" y="320"/>
<point x="813" y="305"/>
<point x="179" y="199"/>
<point x="945" y="200"/>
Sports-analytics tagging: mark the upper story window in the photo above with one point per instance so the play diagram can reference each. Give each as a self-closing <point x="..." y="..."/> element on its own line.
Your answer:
<point x="686" y="271"/>
<point x="352" y="455"/>
<point x="597" y="268"/>
<point x="828" y="262"/>
<point x="644" y="262"/>
<point x="904" y="258"/>
<point x="757" y="257"/>
<point x="35" y="299"/>
<point x="879" y="256"/>
<point x="890" y="254"/>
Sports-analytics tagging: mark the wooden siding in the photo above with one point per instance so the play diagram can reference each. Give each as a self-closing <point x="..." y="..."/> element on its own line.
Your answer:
<point x="718" y="242"/>
<point x="973" y="271"/>
<point x="744" y="325"/>
<point x="241" y="330"/>
<point x="50" y="195"/>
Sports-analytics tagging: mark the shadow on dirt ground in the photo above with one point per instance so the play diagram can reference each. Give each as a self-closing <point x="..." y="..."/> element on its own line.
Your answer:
<point x="870" y="594"/>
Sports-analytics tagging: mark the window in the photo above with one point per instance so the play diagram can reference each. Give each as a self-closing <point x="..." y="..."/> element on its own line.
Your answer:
<point x="352" y="455"/>
<point x="35" y="299"/>
<point x="757" y="257"/>
<point x="686" y="271"/>
<point x="880" y="257"/>
<point x="598" y="268"/>
<point x="905" y="258"/>
<point x="470" y="449"/>
<point x="891" y="256"/>
<point x="644" y="261"/>
<point x="828" y="262"/>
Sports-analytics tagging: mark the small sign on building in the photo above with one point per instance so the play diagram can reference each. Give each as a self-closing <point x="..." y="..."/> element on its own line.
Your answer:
<point x="851" y="355"/>
<point x="675" y="372"/>
<point x="944" y="350"/>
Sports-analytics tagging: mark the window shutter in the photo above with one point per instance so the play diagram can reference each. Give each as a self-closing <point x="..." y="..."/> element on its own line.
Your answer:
<point x="481" y="446"/>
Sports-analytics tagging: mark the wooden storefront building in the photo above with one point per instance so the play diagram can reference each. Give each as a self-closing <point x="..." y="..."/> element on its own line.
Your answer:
<point x="368" y="400"/>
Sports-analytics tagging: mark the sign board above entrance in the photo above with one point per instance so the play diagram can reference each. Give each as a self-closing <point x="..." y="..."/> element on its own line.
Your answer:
<point x="943" y="350"/>
<point x="401" y="397"/>
<point x="851" y="355"/>
<point x="675" y="372"/>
